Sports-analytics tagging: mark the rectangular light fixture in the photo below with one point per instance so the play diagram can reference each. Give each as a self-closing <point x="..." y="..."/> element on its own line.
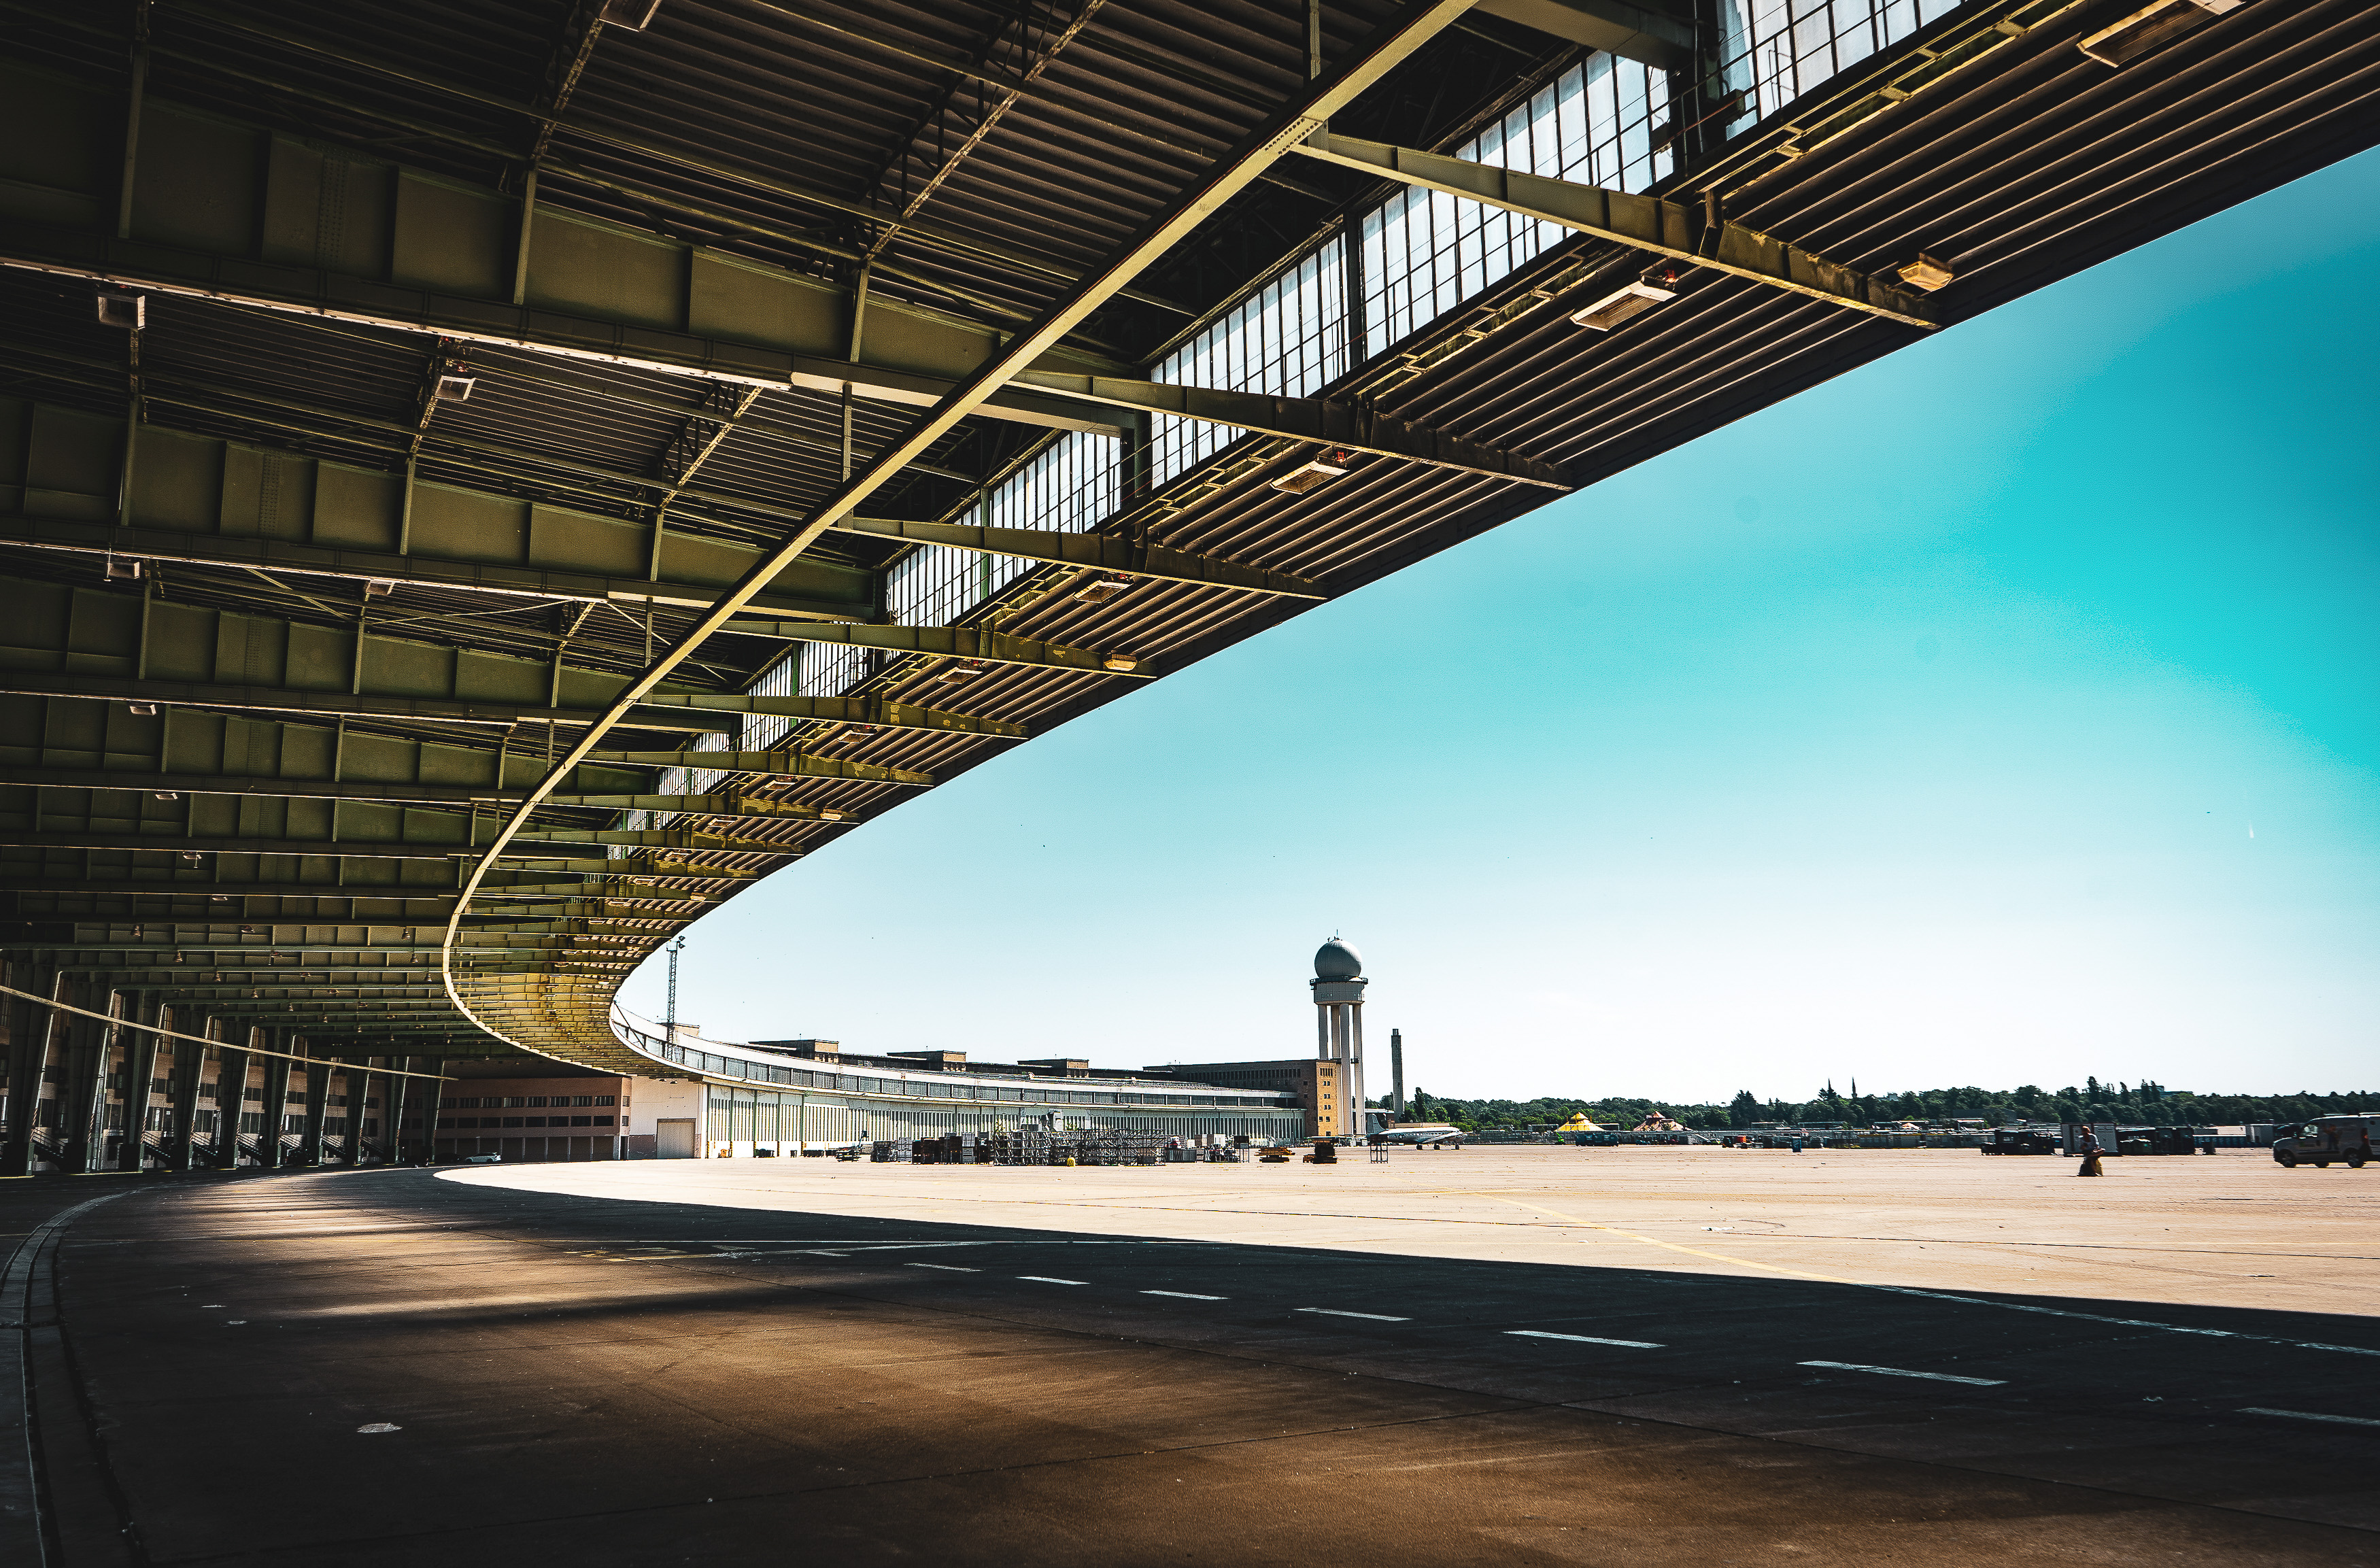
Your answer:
<point x="1927" y="272"/>
<point x="379" y="588"/>
<point x="123" y="571"/>
<point x="130" y="311"/>
<point x="1124" y="664"/>
<point x="2145" y="28"/>
<point x="1312" y="475"/>
<point x="829" y="816"/>
<point x="142" y="709"/>
<point x="1628" y="299"/>
<point x="634" y="15"/>
<point x="1101" y="590"/>
<point x="453" y="388"/>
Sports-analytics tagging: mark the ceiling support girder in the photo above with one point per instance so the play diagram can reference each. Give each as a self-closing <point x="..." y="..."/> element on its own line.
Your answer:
<point x="614" y="888"/>
<point x="13" y="879"/>
<point x="411" y="570"/>
<point x="382" y="793"/>
<point x="757" y="807"/>
<point x="270" y="700"/>
<point x="669" y="710"/>
<point x="1098" y="552"/>
<point x="1325" y="421"/>
<point x="1642" y="33"/>
<point x="323" y="848"/>
<point x="1647" y="223"/>
<point x="944" y="643"/>
<point x="788" y="765"/>
<point x="658" y="838"/>
<point x="237" y="280"/>
<point x="877" y="711"/>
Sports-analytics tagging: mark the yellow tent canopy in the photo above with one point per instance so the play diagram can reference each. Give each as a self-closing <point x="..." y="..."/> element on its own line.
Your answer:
<point x="1578" y="1123"/>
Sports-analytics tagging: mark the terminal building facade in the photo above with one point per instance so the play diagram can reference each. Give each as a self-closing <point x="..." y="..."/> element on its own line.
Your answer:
<point x="794" y="1095"/>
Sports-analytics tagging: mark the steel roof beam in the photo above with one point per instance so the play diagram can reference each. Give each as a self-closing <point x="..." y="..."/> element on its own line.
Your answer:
<point x="1648" y="36"/>
<point x="239" y="280"/>
<point x="1319" y="419"/>
<point x="17" y="880"/>
<point x="969" y="644"/>
<point x="668" y="712"/>
<point x="1099" y="552"/>
<point x="773" y="764"/>
<point x="1682" y="233"/>
<point x="412" y="569"/>
<point x="184" y="783"/>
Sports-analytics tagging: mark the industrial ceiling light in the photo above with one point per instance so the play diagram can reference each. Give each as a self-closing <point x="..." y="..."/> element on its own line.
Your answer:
<point x="379" y="588"/>
<point x="1099" y="590"/>
<point x="1628" y="299"/>
<point x="455" y="385"/>
<point x="634" y="15"/>
<point x="2135" y="35"/>
<point x="169" y="795"/>
<point x="130" y="311"/>
<point x="1315" y="473"/>
<point x="141" y="710"/>
<point x="829" y="816"/>
<point x="123" y="571"/>
<point x="965" y="672"/>
<point x="1123" y="663"/>
<point x="1927" y="272"/>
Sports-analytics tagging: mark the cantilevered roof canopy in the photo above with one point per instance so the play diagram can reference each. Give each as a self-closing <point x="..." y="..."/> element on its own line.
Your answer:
<point x="426" y="431"/>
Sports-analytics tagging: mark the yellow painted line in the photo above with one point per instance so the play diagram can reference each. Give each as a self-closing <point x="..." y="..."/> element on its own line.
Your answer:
<point x="1674" y="1247"/>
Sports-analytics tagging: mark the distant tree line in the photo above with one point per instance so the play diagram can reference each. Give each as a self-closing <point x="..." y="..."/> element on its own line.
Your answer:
<point x="2144" y="1103"/>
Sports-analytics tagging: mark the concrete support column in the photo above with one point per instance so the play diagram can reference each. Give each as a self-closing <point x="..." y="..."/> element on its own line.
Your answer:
<point x="359" y="1093"/>
<point x="182" y="1121"/>
<point x="31" y="1031"/>
<point x="82" y="1109"/>
<point x="139" y="1067"/>
<point x="231" y="1101"/>
<point x="396" y="1092"/>
<point x="317" y="1106"/>
<point x="426" y="1092"/>
<point x="271" y="1152"/>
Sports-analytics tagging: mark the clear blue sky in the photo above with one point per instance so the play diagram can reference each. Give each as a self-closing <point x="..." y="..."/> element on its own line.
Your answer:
<point x="2002" y="712"/>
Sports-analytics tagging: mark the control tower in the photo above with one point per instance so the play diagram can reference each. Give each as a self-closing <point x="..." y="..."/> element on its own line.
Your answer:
<point x="1338" y="986"/>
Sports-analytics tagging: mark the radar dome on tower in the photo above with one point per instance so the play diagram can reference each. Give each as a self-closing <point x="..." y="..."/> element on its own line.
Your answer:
<point x="1334" y="960"/>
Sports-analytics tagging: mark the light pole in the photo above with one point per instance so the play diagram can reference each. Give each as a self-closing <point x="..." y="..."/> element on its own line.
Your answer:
<point x="669" y="1024"/>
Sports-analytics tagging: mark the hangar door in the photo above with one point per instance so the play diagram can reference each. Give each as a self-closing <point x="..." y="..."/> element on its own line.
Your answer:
<point x="674" y="1140"/>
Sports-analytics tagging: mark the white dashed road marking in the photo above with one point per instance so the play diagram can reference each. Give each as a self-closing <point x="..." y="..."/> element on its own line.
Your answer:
<point x="1047" y="1280"/>
<point x="1904" y="1372"/>
<point x="946" y="1267"/>
<point x="1375" y="1316"/>
<point x="2311" y="1416"/>
<point x="1582" y="1339"/>
<point x="1186" y="1294"/>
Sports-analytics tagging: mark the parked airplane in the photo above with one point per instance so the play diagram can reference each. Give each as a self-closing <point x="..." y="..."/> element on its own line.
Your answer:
<point x="1425" y="1135"/>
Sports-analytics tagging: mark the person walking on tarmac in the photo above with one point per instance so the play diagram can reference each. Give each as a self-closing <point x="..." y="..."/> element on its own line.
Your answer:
<point x="2090" y="1150"/>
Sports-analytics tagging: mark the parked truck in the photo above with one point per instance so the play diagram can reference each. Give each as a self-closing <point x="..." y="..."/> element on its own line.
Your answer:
<point x="2326" y="1139"/>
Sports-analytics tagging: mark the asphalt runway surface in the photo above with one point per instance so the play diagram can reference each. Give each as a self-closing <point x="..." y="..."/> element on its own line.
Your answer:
<point x="399" y="1368"/>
